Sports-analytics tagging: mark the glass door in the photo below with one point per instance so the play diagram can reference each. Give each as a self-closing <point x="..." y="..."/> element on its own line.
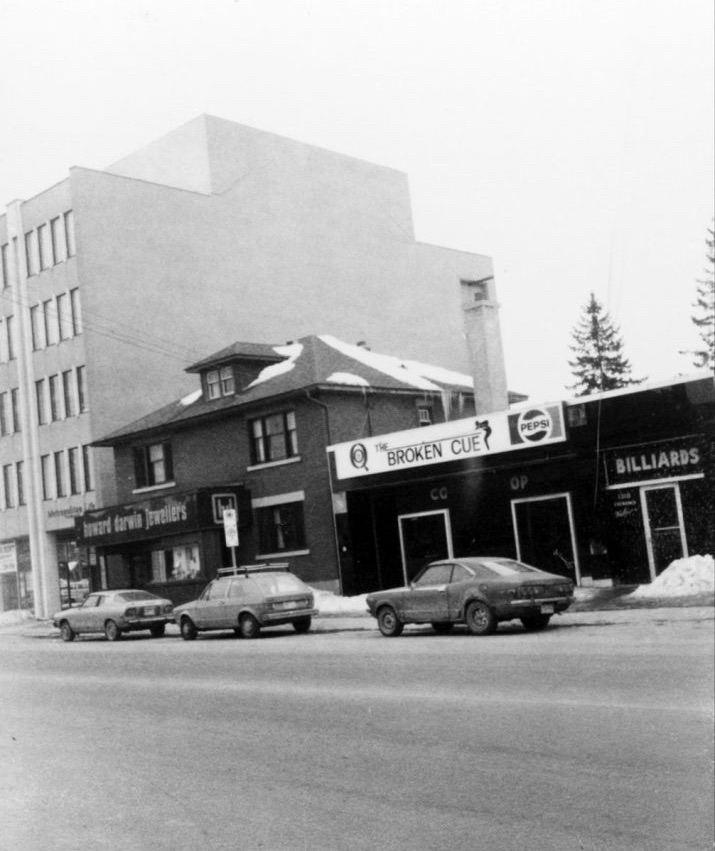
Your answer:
<point x="545" y="535"/>
<point x="663" y="522"/>
<point x="424" y="537"/>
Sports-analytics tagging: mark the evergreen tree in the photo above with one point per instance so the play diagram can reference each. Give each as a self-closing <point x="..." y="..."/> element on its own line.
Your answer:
<point x="599" y="363"/>
<point x="704" y="305"/>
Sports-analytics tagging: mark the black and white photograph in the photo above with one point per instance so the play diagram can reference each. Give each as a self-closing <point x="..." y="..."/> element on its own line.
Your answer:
<point x="357" y="425"/>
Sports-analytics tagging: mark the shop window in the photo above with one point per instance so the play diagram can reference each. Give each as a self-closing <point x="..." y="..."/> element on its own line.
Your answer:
<point x="424" y="416"/>
<point x="281" y="528"/>
<point x="153" y="465"/>
<point x="175" y="564"/>
<point x="274" y="438"/>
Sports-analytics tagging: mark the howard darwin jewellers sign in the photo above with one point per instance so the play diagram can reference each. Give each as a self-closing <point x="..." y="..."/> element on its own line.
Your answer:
<point x="452" y="441"/>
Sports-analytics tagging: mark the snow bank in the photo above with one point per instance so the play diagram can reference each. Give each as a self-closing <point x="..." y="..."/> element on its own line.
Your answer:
<point x="683" y="577"/>
<point x="331" y="604"/>
<point x="15" y="616"/>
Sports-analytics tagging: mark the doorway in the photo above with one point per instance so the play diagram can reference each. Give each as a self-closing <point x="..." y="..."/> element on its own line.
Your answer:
<point x="424" y="537"/>
<point x="545" y="535"/>
<point x="663" y="525"/>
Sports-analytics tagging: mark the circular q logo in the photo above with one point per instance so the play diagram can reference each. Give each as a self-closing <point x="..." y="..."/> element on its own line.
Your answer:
<point x="534" y="425"/>
<point x="358" y="456"/>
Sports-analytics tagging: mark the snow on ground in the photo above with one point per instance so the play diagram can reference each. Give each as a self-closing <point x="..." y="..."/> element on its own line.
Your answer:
<point x="683" y="577"/>
<point x="15" y="616"/>
<point x="331" y="604"/>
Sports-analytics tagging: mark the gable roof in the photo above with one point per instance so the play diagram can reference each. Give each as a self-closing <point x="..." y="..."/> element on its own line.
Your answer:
<point x="310" y="362"/>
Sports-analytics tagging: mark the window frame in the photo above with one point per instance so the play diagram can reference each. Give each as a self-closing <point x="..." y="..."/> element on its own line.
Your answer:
<point x="281" y="527"/>
<point x="145" y="467"/>
<point x="262" y="440"/>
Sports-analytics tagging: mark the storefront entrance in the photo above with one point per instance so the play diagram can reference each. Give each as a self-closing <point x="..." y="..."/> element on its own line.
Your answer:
<point x="663" y="525"/>
<point x="424" y="537"/>
<point x="545" y="535"/>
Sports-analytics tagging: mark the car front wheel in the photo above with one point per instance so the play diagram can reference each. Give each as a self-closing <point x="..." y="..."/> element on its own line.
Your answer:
<point x="112" y="631"/>
<point x="249" y="626"/>
<point x="480" y="618"/>
<point x="388" y="622"/>
<point x="187" y="629"/>
<point x="66" y="632"/>
<point x="302" y="625"/>
<point x="534" y="623"/>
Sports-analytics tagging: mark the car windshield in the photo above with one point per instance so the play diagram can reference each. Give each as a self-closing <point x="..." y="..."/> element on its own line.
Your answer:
<point x="280" y="583"/>
<point x="507" y="566"/>
<point x="130" y="596"/>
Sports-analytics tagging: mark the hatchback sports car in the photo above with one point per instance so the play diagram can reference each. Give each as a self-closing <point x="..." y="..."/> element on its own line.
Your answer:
<point x="479" y="592"/>
<point x="245" y="599"/>
<point x="114" y="613"/>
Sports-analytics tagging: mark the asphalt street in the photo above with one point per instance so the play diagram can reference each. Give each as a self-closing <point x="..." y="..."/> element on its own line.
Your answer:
<point x="596" y="735"/>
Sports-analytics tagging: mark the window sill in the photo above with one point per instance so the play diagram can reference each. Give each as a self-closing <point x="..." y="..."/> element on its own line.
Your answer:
<point x="151" y="488"/>
<point x="269" y="464"/>
<point x="284" y="553"/>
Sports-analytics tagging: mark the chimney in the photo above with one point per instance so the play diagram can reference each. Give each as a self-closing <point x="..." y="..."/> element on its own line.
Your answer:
<point x="486" y="357"/>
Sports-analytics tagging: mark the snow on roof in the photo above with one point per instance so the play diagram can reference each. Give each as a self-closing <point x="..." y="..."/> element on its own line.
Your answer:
<point x="347" y="378"/>
<point x="408" y="372"/>
<point x="682" y="577"/>
<point x="191" y="398"/>
<point x="291" y="352"/>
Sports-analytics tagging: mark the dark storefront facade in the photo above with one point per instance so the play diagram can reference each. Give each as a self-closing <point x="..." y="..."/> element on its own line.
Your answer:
<point x="170" y="545"/>
<point x="605" y="490"/>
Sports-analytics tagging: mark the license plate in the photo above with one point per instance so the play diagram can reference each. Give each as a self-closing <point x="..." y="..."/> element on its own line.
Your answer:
<point x="547" y="609"/>
<point x="149" y="611"/>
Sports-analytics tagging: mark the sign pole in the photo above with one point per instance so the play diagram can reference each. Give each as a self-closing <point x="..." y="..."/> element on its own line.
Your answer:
<point x="230" y="530"/>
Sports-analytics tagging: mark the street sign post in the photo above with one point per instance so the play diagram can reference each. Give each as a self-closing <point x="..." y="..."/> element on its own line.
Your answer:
<point x="230" y="531"/>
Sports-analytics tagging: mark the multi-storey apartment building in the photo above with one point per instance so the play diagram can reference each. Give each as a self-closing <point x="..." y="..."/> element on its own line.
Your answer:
<point x="113" y="281"/>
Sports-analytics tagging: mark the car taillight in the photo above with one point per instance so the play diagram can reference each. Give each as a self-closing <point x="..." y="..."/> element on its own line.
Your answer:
<point x="131" y="612"/>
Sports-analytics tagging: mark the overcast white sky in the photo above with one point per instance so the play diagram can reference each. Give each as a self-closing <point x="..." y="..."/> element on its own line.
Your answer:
<point x="571" y="140"/>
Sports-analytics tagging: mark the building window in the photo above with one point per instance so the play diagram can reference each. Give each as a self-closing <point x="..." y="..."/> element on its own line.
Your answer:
<point x="69" y="233"/>
<point x="64" y="316"/>
<point x="3" y="342"/>
<point x="76" y="312"/>
<point x="82" y="389"/>
<point x="37" y="324"/>
<point x="46" y="465"/>
<point x="68" y="392"/>
<point x="41" y="396"/>
<point x="44" y="240"/>
<point x="15" y="406"/>
<point x="274" y="438"/>
<point x="10" y="331"/>
<point x="4" y="250"/>
<point x="8" y="486"/>
<point x="60" y="478"/>
<point x="281" y="528"/>
<point x="576" y="415"/>
<point x="153" y="464"/>
<point x="73" y="462"/>
<point x="4" y="419"/>
<point x="20" y="475"/>
<point x="213" y="388"/>
<point x="51" y="325"/>
<point x="55" y="413"/>
<point x="88" y="470"/>
<point x="59" y="248"/>
<point x="227" y="384"/>
<point x="424" y="416"/>
<point x="175" y="564"/>
<point x="31" y="253"/>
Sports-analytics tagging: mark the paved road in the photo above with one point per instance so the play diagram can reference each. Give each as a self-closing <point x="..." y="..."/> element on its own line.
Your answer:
<point x="594" y="736"/>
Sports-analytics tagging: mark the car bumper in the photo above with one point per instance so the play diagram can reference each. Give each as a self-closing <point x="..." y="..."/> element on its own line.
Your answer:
<point x="288" y="616"/>
<point x="131" y="624"/>
<point x="543" y="606"/>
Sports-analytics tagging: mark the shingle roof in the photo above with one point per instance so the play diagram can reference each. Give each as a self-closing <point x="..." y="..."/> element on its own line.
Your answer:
<point x="314" y="361"/>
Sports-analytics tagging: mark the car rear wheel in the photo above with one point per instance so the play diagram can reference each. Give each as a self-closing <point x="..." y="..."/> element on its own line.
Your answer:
<point x="249" y="626"/>
<point x="442" y="628"/>
<point x="302" y="625"/>
<point x="388" y="622"/>
<point x="112" y="631"/>
<point x="480" y="618"/>
<point x="534" y="623"/>
<point x="187" y="629"/>
<point x="66" y="632"/>
<point x="158" y="630"/>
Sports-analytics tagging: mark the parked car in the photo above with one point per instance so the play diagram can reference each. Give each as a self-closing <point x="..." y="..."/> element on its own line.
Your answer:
<point x="479" y="592"/>
<point x="114" y="613"/>
<point x="247" y="598"/>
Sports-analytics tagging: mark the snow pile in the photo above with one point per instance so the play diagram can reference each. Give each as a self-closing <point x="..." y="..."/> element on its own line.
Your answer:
<point x="15" y="616"/>
<point x="331" y="604"/>
<point x="683" y="577"/>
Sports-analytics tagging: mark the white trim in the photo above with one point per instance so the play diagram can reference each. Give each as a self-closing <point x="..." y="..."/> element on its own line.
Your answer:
<point x="646" y="522"/>
<point x="447" y="528"/>
<point x="284" y="553"/>
<point x="572" y="529"/>
<point x="293" y="460"/>
<point x="278" y="499"/>
<point x="648" y="482"/>
<point x="149" y="488"/>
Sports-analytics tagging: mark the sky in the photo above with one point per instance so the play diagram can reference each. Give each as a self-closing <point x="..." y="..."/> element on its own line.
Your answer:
<point x="570" y="140"/>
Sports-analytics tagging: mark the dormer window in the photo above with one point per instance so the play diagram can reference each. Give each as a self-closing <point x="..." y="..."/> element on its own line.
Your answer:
<point x="220" y="382"/>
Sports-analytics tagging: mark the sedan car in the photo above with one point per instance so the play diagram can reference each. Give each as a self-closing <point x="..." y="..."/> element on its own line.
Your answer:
<point x="477" y="591"/>
<point x="245" y="599"/>
<point x="114" y="613"/>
